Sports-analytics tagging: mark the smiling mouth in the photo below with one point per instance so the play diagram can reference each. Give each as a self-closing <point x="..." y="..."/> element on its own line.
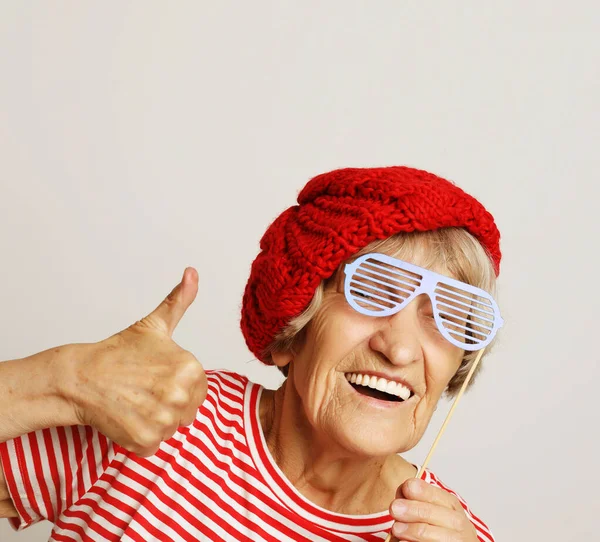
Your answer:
<point x="376" y="394"/>
<point x="379" y="388"/>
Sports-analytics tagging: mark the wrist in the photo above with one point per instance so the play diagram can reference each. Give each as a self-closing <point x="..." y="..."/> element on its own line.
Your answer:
<point x="34" y="393"/>
<point x="65" y="385"/>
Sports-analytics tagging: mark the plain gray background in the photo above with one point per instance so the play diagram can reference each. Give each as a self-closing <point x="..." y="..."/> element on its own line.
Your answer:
<point x="137" y="138"/>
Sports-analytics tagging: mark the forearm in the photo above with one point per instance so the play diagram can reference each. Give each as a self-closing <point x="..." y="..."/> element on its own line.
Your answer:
<point x="33" y="396"/>
<point x="32" y="392"/>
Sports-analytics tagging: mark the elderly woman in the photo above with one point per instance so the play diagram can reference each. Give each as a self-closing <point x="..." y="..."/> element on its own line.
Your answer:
<point x="371" y="295"/>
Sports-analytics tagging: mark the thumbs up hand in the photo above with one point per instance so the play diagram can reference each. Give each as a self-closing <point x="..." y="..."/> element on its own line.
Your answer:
<point x="138" y="386"/>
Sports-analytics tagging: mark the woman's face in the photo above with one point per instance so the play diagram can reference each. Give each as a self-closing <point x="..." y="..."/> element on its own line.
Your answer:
<point x="405" y="347"/>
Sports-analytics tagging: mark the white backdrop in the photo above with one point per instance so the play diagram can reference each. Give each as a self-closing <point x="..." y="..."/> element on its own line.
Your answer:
<point x="137" y="138"/>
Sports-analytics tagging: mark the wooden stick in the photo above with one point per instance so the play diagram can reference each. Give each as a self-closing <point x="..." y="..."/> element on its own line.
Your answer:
<point x="441" y="431"/>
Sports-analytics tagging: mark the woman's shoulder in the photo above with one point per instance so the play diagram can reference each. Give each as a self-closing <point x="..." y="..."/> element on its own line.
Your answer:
<point x="226" y="386"/>
<point x="226" y="377"/>
<point x="483" y="531"/>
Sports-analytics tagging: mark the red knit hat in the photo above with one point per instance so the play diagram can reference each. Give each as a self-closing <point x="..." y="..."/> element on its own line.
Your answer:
<point x="339" y="213"/>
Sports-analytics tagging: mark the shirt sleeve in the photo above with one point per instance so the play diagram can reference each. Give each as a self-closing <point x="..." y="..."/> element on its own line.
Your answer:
<point x="47" y="471"/>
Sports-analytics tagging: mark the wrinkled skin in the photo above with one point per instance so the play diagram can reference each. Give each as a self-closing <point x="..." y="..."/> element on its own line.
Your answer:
<point x="336" y="448"/>
<point x="138" y="386"/>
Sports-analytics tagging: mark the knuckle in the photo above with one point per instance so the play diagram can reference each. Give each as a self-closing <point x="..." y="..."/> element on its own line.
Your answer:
<point x="164" y="418"/>
<point x="146" y="452"/>
<point x="188" y="358"/>
<point x="190" y="367"/>
<point x="416" y="486"/>
<point x="168" y="434"/>
<point x="144" y="323"/>
<point x="197" y="375"/>
<point x="178" y="397"/>
<point x="421" y="512"/>
<point x="468" y="526"/>
<point x="410" y="488"/>
<point x="147" y="440"/>
<point x="460" y="521"/>
<point x="189" y="417"/>
<point x="198" y="396"/>
<point x="149" y="323"/>
<point x="420" y="530"/>
<point x="188" y="420"/>
<point x="171" y="299"/>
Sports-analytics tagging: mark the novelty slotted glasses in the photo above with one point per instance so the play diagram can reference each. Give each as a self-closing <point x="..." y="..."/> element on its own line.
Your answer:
<point x="379" y="285"/>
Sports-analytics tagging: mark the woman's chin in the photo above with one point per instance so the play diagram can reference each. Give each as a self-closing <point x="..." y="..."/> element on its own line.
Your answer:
<point x="366" y="443"/>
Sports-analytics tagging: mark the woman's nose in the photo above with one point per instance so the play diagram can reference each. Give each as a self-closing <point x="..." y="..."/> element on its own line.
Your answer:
<point x="398" y="337"/>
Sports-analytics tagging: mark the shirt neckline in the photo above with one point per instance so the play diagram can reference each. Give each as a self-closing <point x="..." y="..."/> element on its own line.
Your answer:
<point x="284" y="489"/>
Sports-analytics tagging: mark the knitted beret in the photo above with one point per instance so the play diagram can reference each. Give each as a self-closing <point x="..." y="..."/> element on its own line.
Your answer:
<point x="338" y="214"/>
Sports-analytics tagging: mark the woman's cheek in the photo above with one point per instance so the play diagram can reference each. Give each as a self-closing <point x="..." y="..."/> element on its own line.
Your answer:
<point x="316" y="397"/>
<point x="423" y="413"/>
<point x="441" y="365"/>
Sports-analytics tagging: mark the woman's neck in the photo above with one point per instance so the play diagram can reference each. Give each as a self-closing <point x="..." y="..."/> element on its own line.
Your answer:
<point x="322" y="471"/>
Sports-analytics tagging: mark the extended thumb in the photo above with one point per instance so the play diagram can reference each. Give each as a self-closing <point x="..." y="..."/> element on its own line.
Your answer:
<point x="170" y="312"/>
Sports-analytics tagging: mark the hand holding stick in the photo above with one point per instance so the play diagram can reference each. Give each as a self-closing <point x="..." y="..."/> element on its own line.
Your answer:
<point x="441" y="431"/>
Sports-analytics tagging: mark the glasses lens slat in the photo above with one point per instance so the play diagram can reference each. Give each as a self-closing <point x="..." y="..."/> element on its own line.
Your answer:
<point x="456" y="294"/>
<point x="386" y="295"/>
<point x="457" y="312"/>
<point x="472" y="309"/>
<point x="468" y="339"/>
<point x="368" y="303"/>
<point x="389" y="284"/>
<point x="467" y="344"/>
<point x="451" y="326"/>
<point x="369" y="293"/>
<point x="394" y="272"/>
<point x="464" y="323"/>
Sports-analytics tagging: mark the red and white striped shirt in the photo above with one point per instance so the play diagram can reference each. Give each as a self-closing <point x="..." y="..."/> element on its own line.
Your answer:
<point x="213" y="480"/>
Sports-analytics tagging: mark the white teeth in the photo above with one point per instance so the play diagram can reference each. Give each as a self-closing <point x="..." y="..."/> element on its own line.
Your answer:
<point x="403" y="392"/>
<point x="381" y="384"/>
